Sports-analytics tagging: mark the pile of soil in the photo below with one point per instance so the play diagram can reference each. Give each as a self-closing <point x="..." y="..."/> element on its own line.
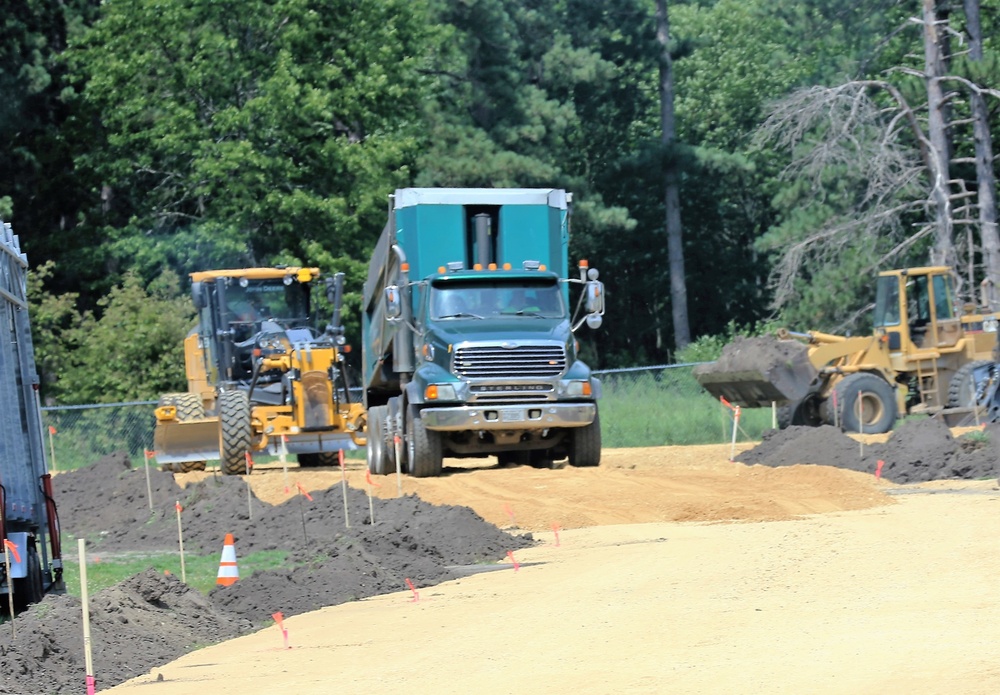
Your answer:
<point x="918" y="451"/>
<point x="150" y="619"/>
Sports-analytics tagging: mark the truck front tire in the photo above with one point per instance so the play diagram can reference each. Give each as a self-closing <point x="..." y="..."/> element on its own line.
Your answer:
<point x="234" y="432"/>
<point x="189" y="407"/>
<point x="378" y="459"/>
<point x="585" y="444"/>
<point x="877" y="403"/>
<point x="425" y="447"/>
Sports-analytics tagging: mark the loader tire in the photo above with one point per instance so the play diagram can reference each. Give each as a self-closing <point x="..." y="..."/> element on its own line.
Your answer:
<point x="585" y="444"/>
<point x="878" y="403"/>
<point x="799" y="413"/>
<point x="234" y="432"/>
<point x="322" y="458"/>
<point x="30" y="589"/>
<point x="424" y="447"/>
<point x="960" y="388"/>
<point x="378" y="461"/>
<point x="189" y="407"/>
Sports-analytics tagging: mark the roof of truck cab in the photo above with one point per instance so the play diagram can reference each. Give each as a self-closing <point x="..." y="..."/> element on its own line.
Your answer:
<point x="553" y="197"/>
<point x="922" y="270"/>
<point x="252" y="273"/>
<point x="519" y="274"/>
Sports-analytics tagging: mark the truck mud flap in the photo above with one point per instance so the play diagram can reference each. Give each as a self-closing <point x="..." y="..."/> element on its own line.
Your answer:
<point x="194" y="440"/>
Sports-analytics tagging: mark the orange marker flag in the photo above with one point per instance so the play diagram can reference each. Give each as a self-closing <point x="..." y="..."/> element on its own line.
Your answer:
<point x="510" y="554"/>
<point x="304" y="491"/>
<point x="280" y="620"/>
<point x="52" y="430"/>
<point x="726" y="403"/>
<point x="368" y="479"/>
<point x="13" y="550"/>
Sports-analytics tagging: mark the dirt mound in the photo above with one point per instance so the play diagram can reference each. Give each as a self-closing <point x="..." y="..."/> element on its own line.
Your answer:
<point x="920" y="450"/>
<point x="149" y="619"/>
<point x="146" y="620"/>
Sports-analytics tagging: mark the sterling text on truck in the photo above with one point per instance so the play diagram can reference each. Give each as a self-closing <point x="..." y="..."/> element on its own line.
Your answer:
<point x="468" y="329"/>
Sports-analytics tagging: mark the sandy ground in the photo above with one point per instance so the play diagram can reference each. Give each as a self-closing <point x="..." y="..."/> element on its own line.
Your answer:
<point x="829" y="582"/>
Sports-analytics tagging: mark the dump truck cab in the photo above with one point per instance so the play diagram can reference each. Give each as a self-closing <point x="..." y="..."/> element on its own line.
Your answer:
<point x="468" y="328"/>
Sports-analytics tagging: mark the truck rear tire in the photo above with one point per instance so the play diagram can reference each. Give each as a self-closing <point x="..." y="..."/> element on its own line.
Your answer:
<point x="378" y="461"/>
<point x="189" y="407"/>
<point x="878" y="403"/>
<point x="321" y="458"/>
<point x="962" y="385"/>
<point x="29" y="590"/>
<point x="585" y="444"/>
<point x="234" y="432"/>
<point x="425" y="450"/>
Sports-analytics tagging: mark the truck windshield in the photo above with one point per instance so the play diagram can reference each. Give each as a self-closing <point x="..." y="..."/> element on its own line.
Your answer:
<point x="261" y="300"/>
<point x="480" y="298"/>
<point x="887" y="301"/>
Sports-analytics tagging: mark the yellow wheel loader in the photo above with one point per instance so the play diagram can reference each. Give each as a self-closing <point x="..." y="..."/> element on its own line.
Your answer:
<point x="924" y="355"/>
<point x="260" y="377"/>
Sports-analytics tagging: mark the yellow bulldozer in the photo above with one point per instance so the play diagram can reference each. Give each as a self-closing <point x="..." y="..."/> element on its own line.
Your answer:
<point x="260" y="377"/>
<point x="925" y="354"/>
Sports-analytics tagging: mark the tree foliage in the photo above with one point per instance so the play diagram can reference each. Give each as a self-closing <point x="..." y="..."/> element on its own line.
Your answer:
<point x="145" y="136"/>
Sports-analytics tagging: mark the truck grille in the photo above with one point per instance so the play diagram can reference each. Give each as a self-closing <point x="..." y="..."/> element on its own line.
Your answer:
<point x="493" y="361"/>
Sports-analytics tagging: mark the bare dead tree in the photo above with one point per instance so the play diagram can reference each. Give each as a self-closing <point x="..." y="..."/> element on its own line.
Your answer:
<point x="843" y="129"/>
<point x="671" y="186"/>
<point x="988" y="233"/>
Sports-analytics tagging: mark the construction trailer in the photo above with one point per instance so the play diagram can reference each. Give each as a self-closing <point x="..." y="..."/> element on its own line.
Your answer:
<point x="29" y="525"/>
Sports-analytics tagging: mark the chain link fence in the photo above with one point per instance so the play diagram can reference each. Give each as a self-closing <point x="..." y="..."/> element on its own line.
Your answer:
<point x="78" y="435"/>
<point x="659" y="405"/>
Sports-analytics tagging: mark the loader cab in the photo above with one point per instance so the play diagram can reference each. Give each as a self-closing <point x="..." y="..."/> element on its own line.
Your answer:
<point x="915" y="309"/>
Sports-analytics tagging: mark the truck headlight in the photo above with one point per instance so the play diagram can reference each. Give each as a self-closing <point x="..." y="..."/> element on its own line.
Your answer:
<point x="578" y="388"/>
<point x="440" y="392"/>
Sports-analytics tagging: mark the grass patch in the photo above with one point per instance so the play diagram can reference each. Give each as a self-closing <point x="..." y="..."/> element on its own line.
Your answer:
<point x="104" y="570"/>
<point x="670" y="408"/>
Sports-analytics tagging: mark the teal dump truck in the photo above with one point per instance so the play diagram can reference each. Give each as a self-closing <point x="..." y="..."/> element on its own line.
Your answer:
<point x="29" y="522"/>
<point x="469" y="316"/>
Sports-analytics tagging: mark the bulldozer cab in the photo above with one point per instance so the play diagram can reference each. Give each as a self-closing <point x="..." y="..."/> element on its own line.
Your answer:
<point x="915" y="309"/>
<point x="237" y="307"/>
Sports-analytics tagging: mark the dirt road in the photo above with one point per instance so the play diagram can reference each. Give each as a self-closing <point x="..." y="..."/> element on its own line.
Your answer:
<point x="833" y="583"/>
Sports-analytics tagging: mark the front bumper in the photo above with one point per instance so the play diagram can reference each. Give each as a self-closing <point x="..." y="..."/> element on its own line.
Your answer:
<point x="525" y="416"/>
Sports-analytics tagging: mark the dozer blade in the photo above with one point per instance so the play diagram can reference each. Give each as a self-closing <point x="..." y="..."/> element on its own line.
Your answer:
<point x="192" y="440"/>
<point x="755" y="372"/>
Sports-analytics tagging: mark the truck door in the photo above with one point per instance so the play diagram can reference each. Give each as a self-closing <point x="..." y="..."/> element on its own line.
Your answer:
<point x="945" y="325"/>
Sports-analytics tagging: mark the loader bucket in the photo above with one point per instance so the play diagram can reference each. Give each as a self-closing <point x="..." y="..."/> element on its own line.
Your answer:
<point x="755" y="372"/>
<point x="191" y="440"/>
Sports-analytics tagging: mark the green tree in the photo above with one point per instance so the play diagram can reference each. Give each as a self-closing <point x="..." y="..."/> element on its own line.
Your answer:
<point x="134" y="350"/>
<point x="234" y="132"/>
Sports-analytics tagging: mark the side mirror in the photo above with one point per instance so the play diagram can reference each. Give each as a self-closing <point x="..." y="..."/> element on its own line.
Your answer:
<point x="393" y="303"/>
<point x="594" y="301"/>
<point x="198" y="295"/>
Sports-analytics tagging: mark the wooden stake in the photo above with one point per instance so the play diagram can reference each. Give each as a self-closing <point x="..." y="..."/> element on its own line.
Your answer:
<point x="85" y="606"/>
<point x="149" y="486"/>
<point x="861" y="426"/>
<point x="343" y="480"/>
<point x="399" y="467"/>
<point x="180" y="540"/>
<point x="52" y="447"/>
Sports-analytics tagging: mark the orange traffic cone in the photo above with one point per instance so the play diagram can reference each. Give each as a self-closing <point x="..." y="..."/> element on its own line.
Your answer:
<point x="228" y="571"/>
